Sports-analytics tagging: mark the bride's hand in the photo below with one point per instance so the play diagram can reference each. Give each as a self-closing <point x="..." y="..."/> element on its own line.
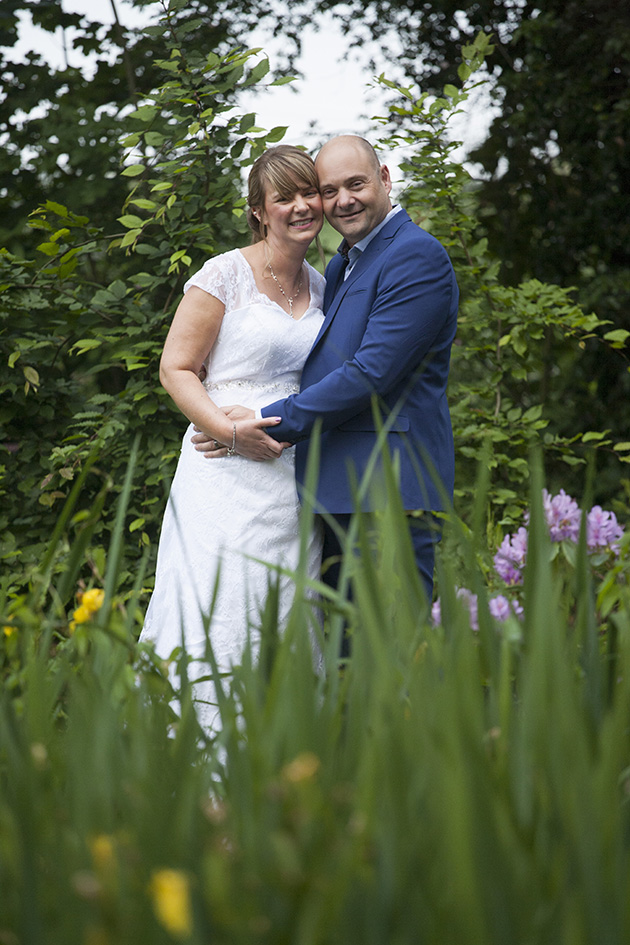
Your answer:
<point x="251" y="441"/>
<point x="254" y="443"/>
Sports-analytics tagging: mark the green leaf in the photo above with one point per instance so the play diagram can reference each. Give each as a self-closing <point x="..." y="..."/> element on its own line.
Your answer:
<point x="283" y="80"/>
<point x="258" y="72"/>
<point x="66" y="267"/>
<point x="117" y="288"/>
<point x="130" y="237"/>
<point x="533" y="413"/>
<point x="622" y="446"/>
<point x="57" y="208"/>
<point x="464" y="71"/>
<point x="144" y="113"/>
<point x="13" y="358"/>
<point x="131" y="221"/>
<point x="276" y="134"/>
<point x="130" y="141"/>
<point x="133" y="170"/>
<point x="154" y="139"/>
<point x="619" y="335"/>
<point x="86" y="344"/>
<point x="247" y="122"/>
<point x="143" y="203"/>
<point x="31" y="375"/>
<point x="50" y="249"/>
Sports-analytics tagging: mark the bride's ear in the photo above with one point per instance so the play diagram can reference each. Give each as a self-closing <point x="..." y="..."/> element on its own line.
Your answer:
<point x="262" y="227"/>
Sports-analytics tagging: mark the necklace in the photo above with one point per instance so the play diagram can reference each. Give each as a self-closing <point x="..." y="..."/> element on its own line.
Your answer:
<point x="288" y="298"/>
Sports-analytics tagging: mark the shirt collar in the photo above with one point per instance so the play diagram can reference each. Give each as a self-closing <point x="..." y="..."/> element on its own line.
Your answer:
<point x="351" y="254"/>
<point x="363" y="244"/>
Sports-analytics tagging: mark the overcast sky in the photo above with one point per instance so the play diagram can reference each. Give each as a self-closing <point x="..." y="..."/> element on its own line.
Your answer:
<point x="333" y="97"/>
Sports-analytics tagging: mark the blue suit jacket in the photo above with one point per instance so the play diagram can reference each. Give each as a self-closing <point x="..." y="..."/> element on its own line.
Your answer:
<point x="388" y="331"/>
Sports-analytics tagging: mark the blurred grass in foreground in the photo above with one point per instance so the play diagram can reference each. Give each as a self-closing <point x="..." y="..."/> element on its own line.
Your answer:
<point x="442" y="787"/>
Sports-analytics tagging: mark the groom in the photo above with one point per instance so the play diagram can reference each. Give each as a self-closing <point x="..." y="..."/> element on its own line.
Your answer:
<point x="390" y="317"/>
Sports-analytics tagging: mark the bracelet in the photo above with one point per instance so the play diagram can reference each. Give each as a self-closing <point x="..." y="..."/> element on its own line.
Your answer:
<point x="232" y="449"/>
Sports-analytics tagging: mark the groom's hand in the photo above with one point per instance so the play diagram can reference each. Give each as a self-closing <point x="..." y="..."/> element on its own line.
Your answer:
<point x="236" y="412"/>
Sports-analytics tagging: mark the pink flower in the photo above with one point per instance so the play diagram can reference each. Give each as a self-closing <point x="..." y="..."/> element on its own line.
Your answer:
<point x="501" y="608"/>
<point x="469" y="599"/>
<point x="436" y="613"/>
<point x="563" y="516"/>
<point x="510" y="558"/>
<point x="602" y="529"/>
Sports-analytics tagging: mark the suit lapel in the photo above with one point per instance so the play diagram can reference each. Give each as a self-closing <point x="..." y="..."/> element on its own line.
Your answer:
<point x="334" y="279"/>
<point x="374" y="248"/>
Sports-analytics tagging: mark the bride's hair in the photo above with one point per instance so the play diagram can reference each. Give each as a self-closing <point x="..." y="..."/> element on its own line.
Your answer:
<point x="284" y="169"/>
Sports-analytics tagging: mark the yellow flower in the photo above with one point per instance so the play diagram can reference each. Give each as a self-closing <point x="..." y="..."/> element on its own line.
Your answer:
<point x="302" y="768"/>
<point x="103" y="855"/>
<point x="81" y="614"/>
<point x="170" y="891"/>
<point x="93" y="599"/>
<point x="9" y="630"/>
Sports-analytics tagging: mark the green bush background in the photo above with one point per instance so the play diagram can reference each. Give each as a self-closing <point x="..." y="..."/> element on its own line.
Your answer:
<point x="443" y="786"/>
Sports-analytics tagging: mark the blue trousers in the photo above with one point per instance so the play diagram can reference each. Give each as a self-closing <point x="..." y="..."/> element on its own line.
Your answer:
<point x="425" y="532"/>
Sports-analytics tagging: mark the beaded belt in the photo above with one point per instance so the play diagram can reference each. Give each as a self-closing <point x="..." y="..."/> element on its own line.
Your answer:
<point x="283" y="387"/>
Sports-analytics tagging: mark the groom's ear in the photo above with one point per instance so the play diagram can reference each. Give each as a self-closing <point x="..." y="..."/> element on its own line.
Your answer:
<point x="385" y="177"/>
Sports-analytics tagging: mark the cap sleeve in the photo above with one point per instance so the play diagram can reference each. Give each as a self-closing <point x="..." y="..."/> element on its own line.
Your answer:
<point x="212" y="278"/>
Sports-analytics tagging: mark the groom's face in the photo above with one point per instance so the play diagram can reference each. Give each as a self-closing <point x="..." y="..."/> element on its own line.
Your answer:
<point x="354" y="188"/>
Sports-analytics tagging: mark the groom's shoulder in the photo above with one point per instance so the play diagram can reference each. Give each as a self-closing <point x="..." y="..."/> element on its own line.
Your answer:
<point x="415" y="238"/>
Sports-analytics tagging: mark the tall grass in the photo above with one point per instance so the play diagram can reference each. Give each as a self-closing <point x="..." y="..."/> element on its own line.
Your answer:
<point x="442" y="786"/>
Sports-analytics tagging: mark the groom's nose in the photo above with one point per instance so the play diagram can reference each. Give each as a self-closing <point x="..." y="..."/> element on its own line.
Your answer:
<point x="344" y="197"/>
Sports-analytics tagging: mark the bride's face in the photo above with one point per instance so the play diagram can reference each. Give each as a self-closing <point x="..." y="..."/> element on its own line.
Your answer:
<point x="297" y="218"/>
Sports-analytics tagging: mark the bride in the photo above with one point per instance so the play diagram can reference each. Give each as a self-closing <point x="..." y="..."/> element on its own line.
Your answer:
<point x="250" y="316"/>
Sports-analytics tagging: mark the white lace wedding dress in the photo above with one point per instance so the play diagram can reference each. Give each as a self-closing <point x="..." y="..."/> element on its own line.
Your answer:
<point x="223" y="513"/>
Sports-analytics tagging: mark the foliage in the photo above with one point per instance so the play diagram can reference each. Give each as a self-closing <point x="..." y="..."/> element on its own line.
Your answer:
<point x="81" y="371"/>
<point x="445" y="786"/>
<point x="60" y="126"/>
<point x="505" y="393"/>
<point x="81" y="363"/>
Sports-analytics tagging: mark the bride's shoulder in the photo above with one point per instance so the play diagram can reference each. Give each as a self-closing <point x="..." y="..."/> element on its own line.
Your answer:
<point x="226" y="262"/>
<point x="316" y="278"/>
<point x="217" y="275"/>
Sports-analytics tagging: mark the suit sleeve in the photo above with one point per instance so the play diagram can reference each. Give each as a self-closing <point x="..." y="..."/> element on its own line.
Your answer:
<point x="415" y="300"/>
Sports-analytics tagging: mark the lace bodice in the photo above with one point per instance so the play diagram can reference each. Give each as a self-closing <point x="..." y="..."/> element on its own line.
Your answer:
<point x="260" y="349"/>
